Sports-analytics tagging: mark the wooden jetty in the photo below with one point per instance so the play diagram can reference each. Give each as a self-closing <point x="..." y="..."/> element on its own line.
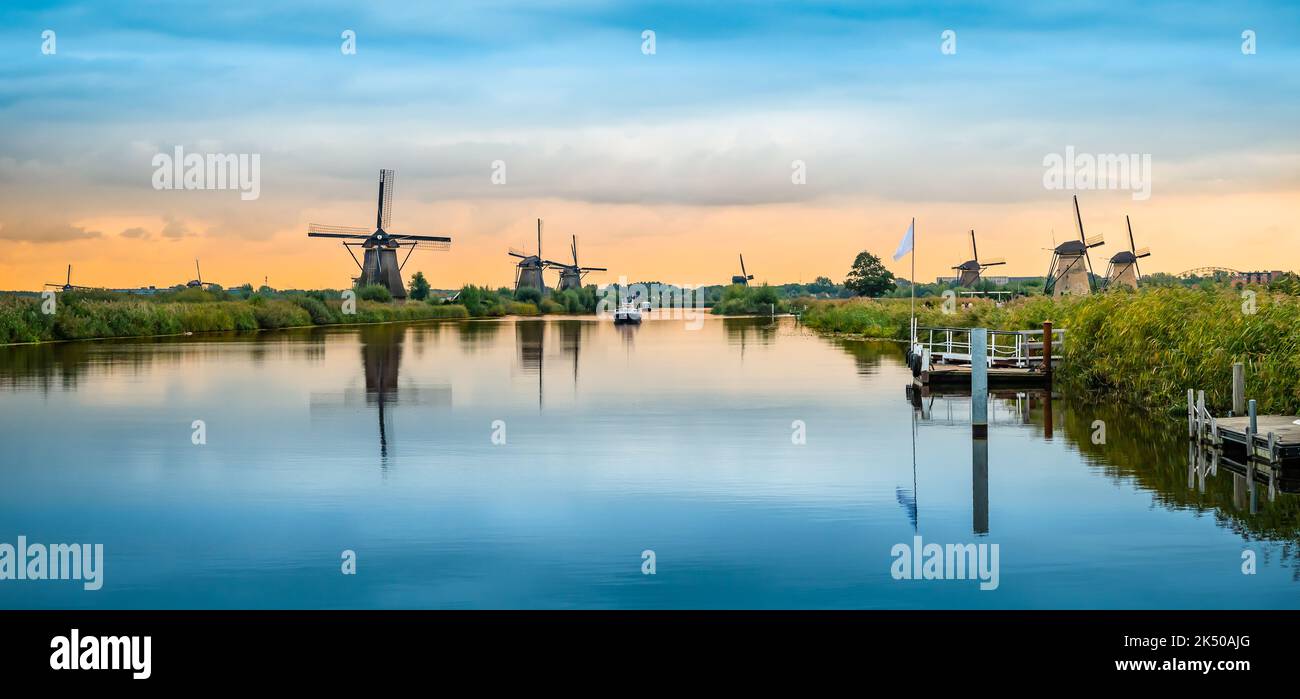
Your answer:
<point x="1015" y="358"/>
<point x="1271" y="439"/>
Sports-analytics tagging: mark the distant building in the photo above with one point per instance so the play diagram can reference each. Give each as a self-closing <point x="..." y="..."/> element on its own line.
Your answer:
<point x="1244" y="278"/>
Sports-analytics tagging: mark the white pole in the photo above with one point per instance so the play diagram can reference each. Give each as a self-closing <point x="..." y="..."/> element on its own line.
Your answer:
<point x="913" y="280"/>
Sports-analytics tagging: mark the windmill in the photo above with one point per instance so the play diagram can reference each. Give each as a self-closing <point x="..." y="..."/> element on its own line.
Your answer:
<point x="1123" y="269"/>
<point x="528" y="271"/>
<point x="744" y="277"/>
<point x="196" y="283"/>
<point x="1071" y="268"/>
<point x="971" y="269"/>
<point x="380" y="265"/>
<point x="67" y="285"/>
<point x="571" y="275"/>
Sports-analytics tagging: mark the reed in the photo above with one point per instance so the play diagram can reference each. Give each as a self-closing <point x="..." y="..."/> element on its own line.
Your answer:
<point x="1144" y="348"/>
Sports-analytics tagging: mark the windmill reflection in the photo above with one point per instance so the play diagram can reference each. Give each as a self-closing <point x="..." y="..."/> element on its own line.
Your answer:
<point x="530" y="347"/>
<point x="381" y="356"/>
<point x="382" y="349"/>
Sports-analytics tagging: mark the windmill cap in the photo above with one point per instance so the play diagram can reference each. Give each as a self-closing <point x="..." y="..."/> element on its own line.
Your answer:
<point x="1124" y="256"/>
<point x="969" y="265"/>
<point x="1071" y="247"/>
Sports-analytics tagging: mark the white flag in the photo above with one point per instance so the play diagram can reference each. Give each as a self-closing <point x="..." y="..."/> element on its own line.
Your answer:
<point x="905" y="246"/>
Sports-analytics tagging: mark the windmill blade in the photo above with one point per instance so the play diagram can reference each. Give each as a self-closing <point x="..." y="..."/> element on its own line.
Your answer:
<point x="1131" y="245"/>
<point x="516" y="252"/>
<point x="1142" y="252"/>
<point x="387" y="182"/>
<point x="539" y="237"/>
<point x="974" y="252"/>
<point x="994" y="261"/>
<point x="434" y="242"/>
<point x="593" y="269"/>
<point x="1095" y="240"/>
<point x="742" y="266"/>
<point x="1078" y="219"/>
<point x="574" y="245"/>
<point x="426" y="238"/>
<point x="69" y="274"/>
<point x="316" y="230"/>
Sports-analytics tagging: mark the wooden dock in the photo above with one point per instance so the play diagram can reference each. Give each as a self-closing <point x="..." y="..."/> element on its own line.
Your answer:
<point x="999" y="377"/>
<point x="1284" y="431"/>
<point x="1274" y="439"/>
<point x="1015" y="358"/>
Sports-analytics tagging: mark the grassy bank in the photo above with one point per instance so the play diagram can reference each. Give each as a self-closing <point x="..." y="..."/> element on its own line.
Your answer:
<point x="87" y="315"/>
<point x="1145" y="348"/>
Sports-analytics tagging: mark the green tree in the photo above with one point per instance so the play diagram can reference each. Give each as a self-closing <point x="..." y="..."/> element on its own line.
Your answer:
<point x="868" y="277"/>
<point x="419" y="287"/>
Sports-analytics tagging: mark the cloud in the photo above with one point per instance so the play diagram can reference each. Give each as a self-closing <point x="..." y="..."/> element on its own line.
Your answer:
<point x="45" y="232"/>
<point x="136" y="232"/>
<point x="175" y="229"/>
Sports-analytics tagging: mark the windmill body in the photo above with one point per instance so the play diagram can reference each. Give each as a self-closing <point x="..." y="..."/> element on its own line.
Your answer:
<point x="744" y="277"/>
<point x="381" y="263"/>
<point x="571" y="276"/>
<point x="529" y="269"/>
<point x="1123" y="269"/>
<point x="968" y="272"/>
<point x="1070" y="272"/>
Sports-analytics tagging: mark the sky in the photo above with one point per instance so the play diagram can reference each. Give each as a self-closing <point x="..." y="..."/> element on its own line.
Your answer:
<point x="666" y="164"/>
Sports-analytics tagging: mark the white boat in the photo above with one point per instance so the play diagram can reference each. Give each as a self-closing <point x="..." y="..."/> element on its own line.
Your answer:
<point x="628" y="313"/>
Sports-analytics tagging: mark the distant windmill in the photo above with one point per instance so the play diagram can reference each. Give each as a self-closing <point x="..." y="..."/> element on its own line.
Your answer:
<point x="744" y="277"/>
<point x="528" y="271"/>
<point x="196" y="283"/>
<point x="67" y="285"/>
<point x="571" y="275"/>
<point x="1123" y="269"/>
<point x="971" y="269"/>
<point x="380" y="265"/>
<point x="1071" y="268"/>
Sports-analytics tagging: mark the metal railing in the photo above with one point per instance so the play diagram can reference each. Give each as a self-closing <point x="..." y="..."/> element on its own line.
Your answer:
<point x="1017" y="348"/>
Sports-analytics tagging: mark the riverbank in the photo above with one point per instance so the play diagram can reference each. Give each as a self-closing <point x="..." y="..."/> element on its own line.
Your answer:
<point x="1143" y="348"/>
<point x="90" y="316"/>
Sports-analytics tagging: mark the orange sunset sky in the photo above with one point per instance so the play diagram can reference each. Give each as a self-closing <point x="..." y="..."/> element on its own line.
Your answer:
<point x="664" y="163"/>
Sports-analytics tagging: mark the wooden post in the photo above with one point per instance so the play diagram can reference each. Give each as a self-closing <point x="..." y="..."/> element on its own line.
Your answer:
<point x="1202" y="425"/>
<point x="979" y="383"/>
<point x="1047" y="350"/>
<point x="1251" y="429"/>
<point x="1238" y="388"/>
<point x="1191" y="413"/>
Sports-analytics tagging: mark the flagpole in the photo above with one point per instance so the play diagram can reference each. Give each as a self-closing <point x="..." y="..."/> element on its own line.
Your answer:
<point x="913" y="284"/>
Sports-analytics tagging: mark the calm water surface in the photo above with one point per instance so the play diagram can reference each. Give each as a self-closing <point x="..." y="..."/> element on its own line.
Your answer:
<point x="618" y="440"/>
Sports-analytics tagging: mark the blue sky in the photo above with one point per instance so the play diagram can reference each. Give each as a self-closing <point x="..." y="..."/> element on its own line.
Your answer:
<point x="562" y="92"/>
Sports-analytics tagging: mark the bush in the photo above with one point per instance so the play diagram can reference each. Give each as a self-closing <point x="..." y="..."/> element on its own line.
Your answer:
<point x="374" y="292"/>
<point x="527" y="294"/>
<point x="515" y="308"/>
<point x="277" y="313"/>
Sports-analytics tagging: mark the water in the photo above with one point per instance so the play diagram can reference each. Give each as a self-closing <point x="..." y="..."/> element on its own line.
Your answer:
<point x="379" y="440"/>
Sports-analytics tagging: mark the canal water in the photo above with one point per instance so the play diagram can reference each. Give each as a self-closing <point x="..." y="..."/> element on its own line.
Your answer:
<point x="558" y="463"/>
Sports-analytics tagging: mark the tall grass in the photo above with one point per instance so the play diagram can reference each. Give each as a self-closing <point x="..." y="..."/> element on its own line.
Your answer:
<point x="92" y="315"/>
<point x="1145" y="348"/>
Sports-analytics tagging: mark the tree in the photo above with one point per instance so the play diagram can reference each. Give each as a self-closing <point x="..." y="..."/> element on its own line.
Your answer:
<point x="419" y="287"/>
<point x="868" y="277"/>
